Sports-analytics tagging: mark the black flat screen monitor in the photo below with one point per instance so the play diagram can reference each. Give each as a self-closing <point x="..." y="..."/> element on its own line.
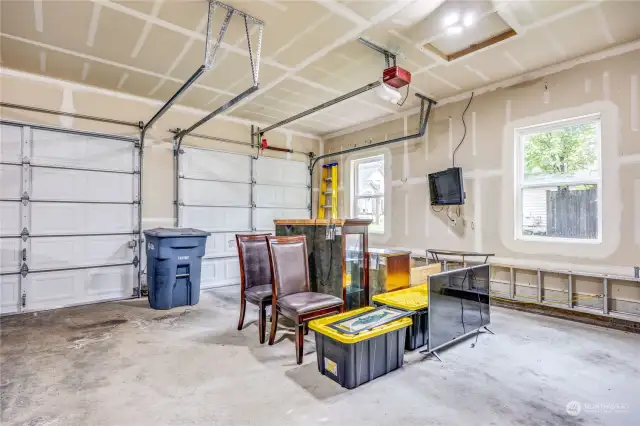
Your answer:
<point x="458" y="304"/>
<point x="446" y="187"/>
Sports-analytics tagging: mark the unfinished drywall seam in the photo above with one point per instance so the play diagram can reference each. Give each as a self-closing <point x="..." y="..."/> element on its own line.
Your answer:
<point x="633" y="103"/>
<point x="473" y="133"/>
<point x="67" y="106"/>
<point x="477" y="215"/>
<point x="405" y="157"/>
<point x="427" y="215"/>
<point x="450" y="138"/>
<point x="636" y="210"/>
<point x="611" y="201"/>
<point x="426" y="142"/>
<point x="606" y="86"/>
<point x="629" y="159"/>
<point x="406" y="214"/>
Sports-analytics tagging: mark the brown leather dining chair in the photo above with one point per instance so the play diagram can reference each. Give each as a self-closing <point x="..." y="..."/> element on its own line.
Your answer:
<point x="255" y="277"/>
<point x="291" y="295"/>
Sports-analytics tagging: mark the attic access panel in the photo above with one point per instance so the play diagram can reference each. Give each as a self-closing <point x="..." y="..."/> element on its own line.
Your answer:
<point x="487" y="31"/>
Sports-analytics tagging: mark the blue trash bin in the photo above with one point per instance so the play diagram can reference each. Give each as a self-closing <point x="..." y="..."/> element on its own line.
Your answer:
<point x="174" y="261"/>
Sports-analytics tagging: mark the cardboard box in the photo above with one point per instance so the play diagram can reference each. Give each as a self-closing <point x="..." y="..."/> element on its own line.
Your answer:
<point x="420" y="274"/>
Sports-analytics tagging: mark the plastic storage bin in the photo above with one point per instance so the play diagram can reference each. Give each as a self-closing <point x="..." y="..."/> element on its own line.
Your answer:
<point x="354" y="359"/>
<point x="174" y="261"/>
<point x="415" y="299"/>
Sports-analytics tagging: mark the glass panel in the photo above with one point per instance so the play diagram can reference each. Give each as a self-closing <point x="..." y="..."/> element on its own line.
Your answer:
<point x="354" y="273"/>
<point x="458" y="304"/>
<point x="566" y="153"/>
<point x="370" y="177"/>
<point x="371" y="208"/>
<point x="561" y="211"/>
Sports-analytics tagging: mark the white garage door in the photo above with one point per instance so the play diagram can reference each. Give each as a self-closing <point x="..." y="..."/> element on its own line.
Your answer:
<point x="226" y="193"/>
<point x="69" y="209"/>
<point x="281" y="191"/>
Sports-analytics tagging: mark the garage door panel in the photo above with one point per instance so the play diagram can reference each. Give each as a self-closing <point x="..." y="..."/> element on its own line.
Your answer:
<point x="9" y="293"/>
<point x="216" y="218"/>
<point x="212" y="165"/>
<point x="70" y="252"/>
<point x="221" y="244"/>
<point x="63" y="288"/>
<point x="215" y="193"/>
<point x="276" y="171"/>
<point x="67" y="218"/>
<point x="10" y="143"/>
<point x="281" y="196"/>
<point x="56" y="184"/>
<point x="219" y="272"/>
<point x="10" y="254"/>
<point x="10" y="181"/>
<point x="265" y="217"/>
<point x="73" y="150"/>
<point x="10" y="218"/>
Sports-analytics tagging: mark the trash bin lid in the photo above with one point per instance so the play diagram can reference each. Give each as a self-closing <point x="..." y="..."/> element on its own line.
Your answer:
<point x="175" y="232"/>
<point x="412" y="299"/>
<point x="323" y="326"/>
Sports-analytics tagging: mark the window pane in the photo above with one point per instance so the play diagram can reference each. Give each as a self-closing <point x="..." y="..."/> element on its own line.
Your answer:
<point x="561" y="211"/>
<point x="568" y="152"/>
<point x="371" y="208"/>
<point x="370" y="177"/>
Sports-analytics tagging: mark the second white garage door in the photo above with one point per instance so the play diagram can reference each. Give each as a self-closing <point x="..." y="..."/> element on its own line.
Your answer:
<point x="226" y="193"/>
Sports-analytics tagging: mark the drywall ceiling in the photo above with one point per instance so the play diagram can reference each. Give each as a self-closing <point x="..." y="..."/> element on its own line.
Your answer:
<point x="310" y="52"/>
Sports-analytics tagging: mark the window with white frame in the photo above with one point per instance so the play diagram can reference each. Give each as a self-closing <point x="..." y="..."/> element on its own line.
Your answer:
<point x="559" y="181"/>
<point x="368" y="191"/>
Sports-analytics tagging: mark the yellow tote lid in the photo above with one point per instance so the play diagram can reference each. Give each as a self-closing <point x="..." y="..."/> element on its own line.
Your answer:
<point x="412" y="299"/>
<point x="322" y="326"/>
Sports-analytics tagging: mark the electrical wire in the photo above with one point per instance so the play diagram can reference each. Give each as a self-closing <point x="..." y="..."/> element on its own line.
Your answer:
<point x="465" y="129"/>
<point x="406" y="96"/>
<point x="437" y="211"/>
<point x="450" y="218"/>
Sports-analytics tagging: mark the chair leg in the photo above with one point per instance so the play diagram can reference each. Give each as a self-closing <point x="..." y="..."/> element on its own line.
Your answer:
<point x="274" y="326"/>
<point x="243" y="305"/>
<point x="262" y="321"/>
<point x="299" y="342"/>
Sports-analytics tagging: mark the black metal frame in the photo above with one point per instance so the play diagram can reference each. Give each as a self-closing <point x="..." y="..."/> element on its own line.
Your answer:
<point x="211" y="48"/>
<point x="424" y="119"/>
<point x="388" y="56"/>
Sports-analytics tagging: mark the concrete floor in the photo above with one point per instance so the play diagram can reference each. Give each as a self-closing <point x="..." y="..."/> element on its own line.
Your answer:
<point x="124" y="364"/>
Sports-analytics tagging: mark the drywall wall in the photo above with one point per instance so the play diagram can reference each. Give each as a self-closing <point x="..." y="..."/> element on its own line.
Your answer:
<point x="38" y="91"/>
<point x="608" y="86"/>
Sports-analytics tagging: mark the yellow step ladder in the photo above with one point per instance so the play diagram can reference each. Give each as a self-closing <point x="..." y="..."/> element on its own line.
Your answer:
<point x="329" y="192"/>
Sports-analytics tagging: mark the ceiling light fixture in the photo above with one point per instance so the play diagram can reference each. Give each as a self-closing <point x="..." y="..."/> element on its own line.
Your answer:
<point x="450" y="19"/>
<point x="454" y="30"/>
<point x="388" y="93"/>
